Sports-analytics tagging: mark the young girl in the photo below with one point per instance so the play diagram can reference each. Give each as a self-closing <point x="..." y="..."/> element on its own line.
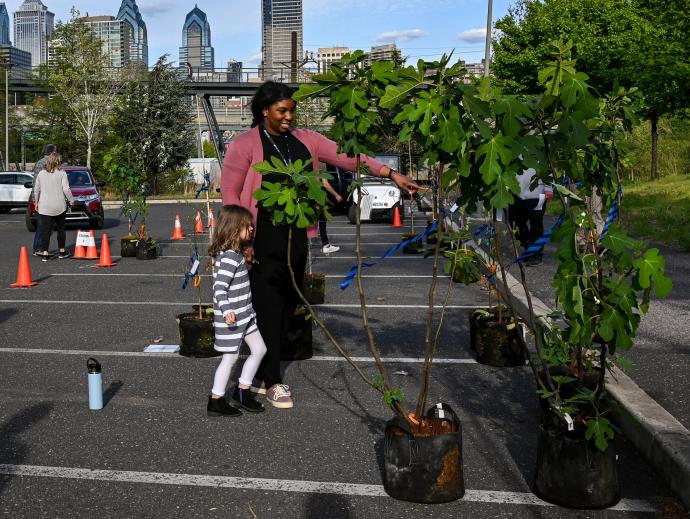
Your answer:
<point x="234" y="317"/>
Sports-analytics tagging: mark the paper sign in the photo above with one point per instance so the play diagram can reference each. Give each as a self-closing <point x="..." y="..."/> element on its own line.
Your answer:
<point x="162" y="348"/>
<point x="454" y="208"/>
<point x="83" y="238"/>
<point x="569" y="420"/>
<point x="195" y="268"/>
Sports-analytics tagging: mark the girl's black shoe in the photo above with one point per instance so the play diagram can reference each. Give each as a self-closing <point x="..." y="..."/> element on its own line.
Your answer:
<point x="220" y="407"/>
<point x="245" y="398"/>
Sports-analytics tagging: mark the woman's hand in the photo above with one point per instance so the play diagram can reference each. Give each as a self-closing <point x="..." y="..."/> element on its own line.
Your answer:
<point x="231" y="318"/>
<point x="249" y="255"/>
<point x="404" y="183"/>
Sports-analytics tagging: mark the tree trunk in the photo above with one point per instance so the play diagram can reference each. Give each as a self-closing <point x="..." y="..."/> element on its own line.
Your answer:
<point x="655" y="142"/>
<point x="88" y="155"/>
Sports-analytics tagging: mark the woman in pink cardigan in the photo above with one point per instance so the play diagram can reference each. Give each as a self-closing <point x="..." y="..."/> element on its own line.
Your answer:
<point x="273" y="296"/>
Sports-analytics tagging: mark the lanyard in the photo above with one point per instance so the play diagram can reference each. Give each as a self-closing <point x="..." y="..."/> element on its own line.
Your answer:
<point x="275" y="147"/>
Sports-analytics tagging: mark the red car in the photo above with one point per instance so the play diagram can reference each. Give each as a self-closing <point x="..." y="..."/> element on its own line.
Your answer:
<point x="87" y="206"/>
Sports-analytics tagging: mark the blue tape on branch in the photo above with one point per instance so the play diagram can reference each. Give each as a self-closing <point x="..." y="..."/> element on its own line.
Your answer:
<point x="205" y="186"/>
<point x="350" y="276"/>
<point x="613" y="212"/>
<point x="193" y="269"/>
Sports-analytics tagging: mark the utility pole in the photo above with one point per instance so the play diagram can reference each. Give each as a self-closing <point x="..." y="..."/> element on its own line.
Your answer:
<point x="487" y="50"/>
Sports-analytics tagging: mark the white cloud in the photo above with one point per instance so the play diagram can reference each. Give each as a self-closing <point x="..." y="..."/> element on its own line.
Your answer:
<point x="472" y="35"/>
<point x="253" y="59"/>
<point x="400" y="36"/>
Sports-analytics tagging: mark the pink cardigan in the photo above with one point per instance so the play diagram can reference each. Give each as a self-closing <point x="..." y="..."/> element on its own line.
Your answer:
<point x="239" y="180"/>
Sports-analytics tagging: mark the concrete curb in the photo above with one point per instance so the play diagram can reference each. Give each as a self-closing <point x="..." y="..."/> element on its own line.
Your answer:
<point x="661" y="439"/>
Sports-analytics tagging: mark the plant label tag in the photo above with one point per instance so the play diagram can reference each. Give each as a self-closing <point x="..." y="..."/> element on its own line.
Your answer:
<point x="569" y="420"/>
<point x="454" y="208"/>
<point x="195" y="268"/>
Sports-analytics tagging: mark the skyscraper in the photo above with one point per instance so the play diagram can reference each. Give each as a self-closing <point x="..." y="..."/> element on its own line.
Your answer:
<point x="4" y="25"/>
<point x="139" y="48"/>
<point x="117" y="37"/>
<point x="280" y="18"/>
<point x="234" y="71"/>
<point x="33" y="27"/>
<point x="196" y="46"/>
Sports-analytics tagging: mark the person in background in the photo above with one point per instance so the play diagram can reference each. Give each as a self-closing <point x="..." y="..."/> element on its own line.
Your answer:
<point x="51" y="189"/>
<point x="41" y="164"/>
<point x="526" y="214"/>
<point x="326" y="246"/>
<point x="273" y="296"/>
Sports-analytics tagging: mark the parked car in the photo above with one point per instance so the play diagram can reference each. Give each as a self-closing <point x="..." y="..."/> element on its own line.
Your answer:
<point x="380" y="197"/>
<point x="13" y="193"/>
<point x="87" y="206"/>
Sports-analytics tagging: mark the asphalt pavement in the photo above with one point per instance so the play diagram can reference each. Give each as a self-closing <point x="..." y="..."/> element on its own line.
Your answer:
<point x="152" y="452"/>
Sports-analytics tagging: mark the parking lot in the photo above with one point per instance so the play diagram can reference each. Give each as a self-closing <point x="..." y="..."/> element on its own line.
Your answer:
<point x="153" y="452"/>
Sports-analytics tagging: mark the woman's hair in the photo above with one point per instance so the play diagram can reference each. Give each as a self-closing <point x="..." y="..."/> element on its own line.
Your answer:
<point x="232" y="221"/>
<point x="267" y="94"/>
<point x="53" y="162"/>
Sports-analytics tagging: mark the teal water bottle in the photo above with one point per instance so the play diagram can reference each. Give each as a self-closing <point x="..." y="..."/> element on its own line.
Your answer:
<point x="95" y="384"/>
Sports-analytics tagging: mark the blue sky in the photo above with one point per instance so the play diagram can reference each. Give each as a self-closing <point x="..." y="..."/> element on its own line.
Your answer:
<point x="421" y="28"/>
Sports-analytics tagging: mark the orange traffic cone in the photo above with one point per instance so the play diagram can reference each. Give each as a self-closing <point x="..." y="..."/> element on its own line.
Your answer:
<point x="91" y="251"/>
<point x="177" y="232"/>
<point x="23" y="272"/>
<point x="211" y="221"/>
<point x="198" y="226"/>
<point x="105" y="254"/>
<point x="79" y="250"/>
<point x="396" y="217"/>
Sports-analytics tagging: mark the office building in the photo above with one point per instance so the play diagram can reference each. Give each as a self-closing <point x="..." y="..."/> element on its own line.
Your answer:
<point x="139" y="47"/>
<point x="33" y="27"/>
<point x="196" y="49"/>
<point x="280" y="19"/>
<point x="388" y="52"/>
<point x="4" y="25"/>
<point x="19" y="58"/>
<point x="234" y="71"/>
<point x="117" y="37"/>
<point x="329" y="55"/>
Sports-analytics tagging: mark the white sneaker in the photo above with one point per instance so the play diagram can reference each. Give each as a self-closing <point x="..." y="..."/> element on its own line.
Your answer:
<point x="327" y="249"/>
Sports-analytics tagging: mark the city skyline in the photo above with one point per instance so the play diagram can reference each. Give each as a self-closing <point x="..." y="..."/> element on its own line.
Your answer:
<point x="421" y="29"/>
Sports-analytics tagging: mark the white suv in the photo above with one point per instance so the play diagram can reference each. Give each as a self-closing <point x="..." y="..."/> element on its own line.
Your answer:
<point x="380" y="197"/>
<point x="13" y="193"/>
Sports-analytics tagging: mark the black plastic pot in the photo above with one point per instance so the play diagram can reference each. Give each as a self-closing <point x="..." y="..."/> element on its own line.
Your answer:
<point x="196" y="335"/>
<point x="128" y="246"/>
<point x="572" y="472"/>
<point x="414" y="247"/>
<point x="314" y="288"/>
<point x="496" y="343"/>
<point x="299" y="337"/>
<point x="147" y="250"/>
<point x="425" y="469"/>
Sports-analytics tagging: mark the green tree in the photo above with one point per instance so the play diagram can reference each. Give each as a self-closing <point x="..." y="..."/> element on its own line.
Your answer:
<point x="84" y="86"/>
<point x="209" y="150"/>
<point x="155" y="119"/>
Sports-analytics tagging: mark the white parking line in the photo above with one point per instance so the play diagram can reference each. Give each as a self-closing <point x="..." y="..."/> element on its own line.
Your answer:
<point x="315" y="256"/>
<point x="280" y="485"/>
<point x="186" y="303"/>
<point x="317" y="358"/>
<point x="337" y="276"/>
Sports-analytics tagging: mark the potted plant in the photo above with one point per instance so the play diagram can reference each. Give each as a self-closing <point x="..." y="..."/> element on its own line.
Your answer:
<point x="126" y="178"/>
<point x="197" y="335"/>
<point x="604" y="279"/>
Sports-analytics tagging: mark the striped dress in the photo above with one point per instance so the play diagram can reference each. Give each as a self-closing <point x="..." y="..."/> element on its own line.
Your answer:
<point x="231" y="293"/>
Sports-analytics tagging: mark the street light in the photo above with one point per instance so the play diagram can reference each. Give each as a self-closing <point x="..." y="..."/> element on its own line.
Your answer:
<point x="7" y="65"/>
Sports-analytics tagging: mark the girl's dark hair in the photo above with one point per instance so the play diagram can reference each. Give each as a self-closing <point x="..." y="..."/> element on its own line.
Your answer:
<point x="232" y="221"/>
<point x="267" y="94"/>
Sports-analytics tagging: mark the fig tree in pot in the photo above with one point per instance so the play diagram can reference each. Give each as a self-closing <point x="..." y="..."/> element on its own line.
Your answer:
<point x="604" y="279"/>
<point x="197" y="335"/>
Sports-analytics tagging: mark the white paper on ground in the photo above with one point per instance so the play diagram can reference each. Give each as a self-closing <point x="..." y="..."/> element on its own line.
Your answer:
<point x="162" y="348"/>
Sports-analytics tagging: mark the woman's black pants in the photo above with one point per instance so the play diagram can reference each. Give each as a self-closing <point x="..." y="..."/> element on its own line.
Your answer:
<point x="273" y="296"/>
<point x="46" y="228"/>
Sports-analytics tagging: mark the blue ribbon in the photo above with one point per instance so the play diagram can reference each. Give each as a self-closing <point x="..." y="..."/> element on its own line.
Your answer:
<point x="205" y="186"/>
<point x="190" y="274"/>
<point x="350" y="276"/>
<point x="613" y="213"/>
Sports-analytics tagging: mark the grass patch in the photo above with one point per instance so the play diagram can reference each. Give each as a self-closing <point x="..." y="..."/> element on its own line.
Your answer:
<point x="659" y="211"/>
